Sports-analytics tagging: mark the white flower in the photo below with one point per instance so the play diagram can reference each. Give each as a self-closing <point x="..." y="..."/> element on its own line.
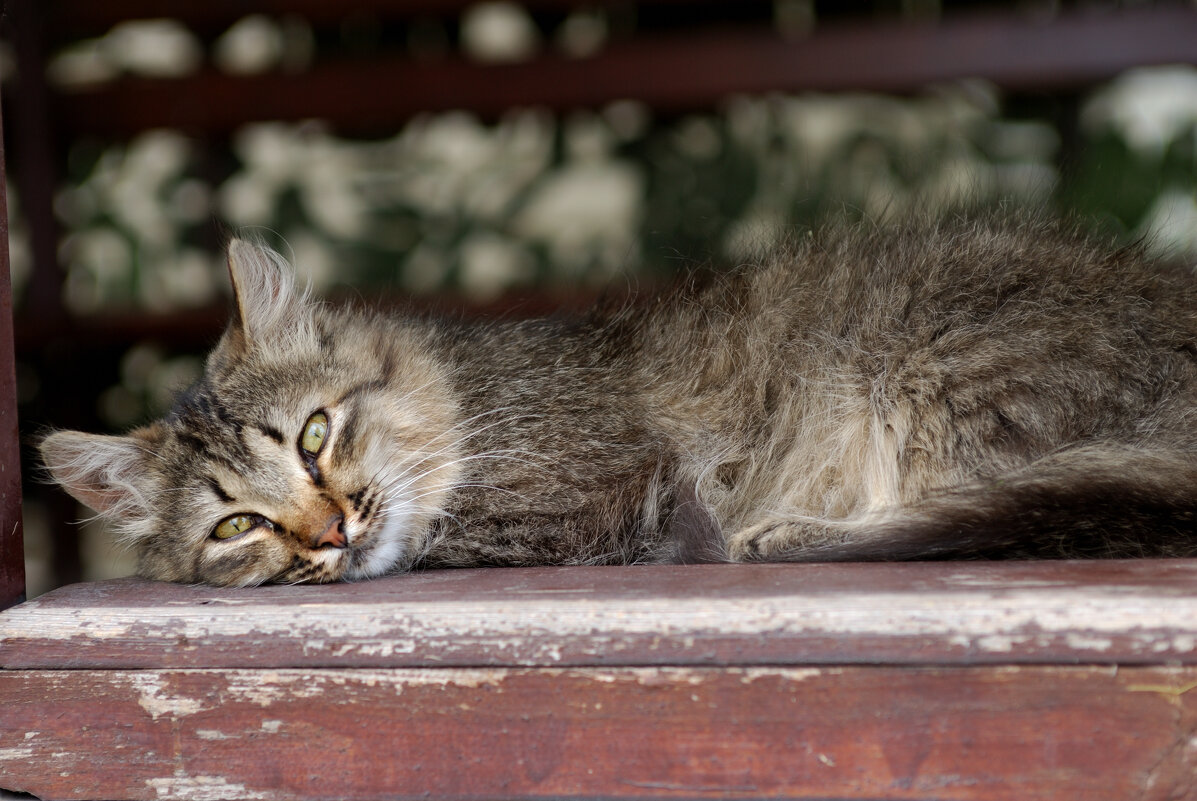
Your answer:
<point x="1149" y="107"/>
<point x="1171" y="225"/>
<point x="585" y="212"/>
<point x="491" y="263"/>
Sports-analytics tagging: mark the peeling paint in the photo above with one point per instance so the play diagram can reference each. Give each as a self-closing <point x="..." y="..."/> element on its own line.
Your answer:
<point x="383" y="629"/>
<point x="461" y="677"/>
<point x="266" y="688"/>
<point x="998" y="643"/>
<point x="975" y="612"/>
<point x="16" y="754"/>
<point x="153" y="698"/>
<point x="860" y="718"/>
<point x="1082" y="642"/>
<point x="212" y="734"/>
<point x="788" y="674"/>
<point x="202" y="788"/>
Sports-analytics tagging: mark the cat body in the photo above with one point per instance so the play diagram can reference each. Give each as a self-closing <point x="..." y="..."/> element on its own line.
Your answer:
<point x="966" y="389"/>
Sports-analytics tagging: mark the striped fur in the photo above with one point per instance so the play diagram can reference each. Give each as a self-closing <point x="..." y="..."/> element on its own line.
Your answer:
<point x="969" y="388"/>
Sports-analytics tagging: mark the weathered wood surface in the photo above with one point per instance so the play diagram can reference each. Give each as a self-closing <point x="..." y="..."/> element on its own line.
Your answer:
<point x="850" y="733"/>
<point x="613" y="683"/>
<point x="1132" y="612"/>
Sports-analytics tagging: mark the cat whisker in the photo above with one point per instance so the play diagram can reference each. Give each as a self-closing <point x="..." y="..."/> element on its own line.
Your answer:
<point x="409" y="480"/>
<point x="469" y="420"/>
<point x="467" y="437"/>
<point x="492" y="487"/>
<point x="423" y="456"/>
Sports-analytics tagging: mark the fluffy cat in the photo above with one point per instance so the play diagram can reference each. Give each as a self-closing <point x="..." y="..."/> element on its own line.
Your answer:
<point x="962" y="389"/>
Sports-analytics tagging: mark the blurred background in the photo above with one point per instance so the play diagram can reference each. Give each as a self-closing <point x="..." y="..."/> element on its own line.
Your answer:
<point x="507" y="158"/>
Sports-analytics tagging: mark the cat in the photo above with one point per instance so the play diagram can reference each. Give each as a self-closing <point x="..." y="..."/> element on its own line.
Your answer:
<point x="968" y="388"/>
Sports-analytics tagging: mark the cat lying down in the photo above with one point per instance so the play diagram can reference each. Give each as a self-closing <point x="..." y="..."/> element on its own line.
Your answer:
<point x="968" y="389"/>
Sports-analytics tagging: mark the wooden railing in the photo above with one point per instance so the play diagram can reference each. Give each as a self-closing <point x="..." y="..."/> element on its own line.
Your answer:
<point x="671" y="73"/>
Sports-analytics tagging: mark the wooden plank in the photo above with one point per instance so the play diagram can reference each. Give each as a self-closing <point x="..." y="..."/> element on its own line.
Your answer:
<point x="198" y="328"/>
<point x="671" y="74"/>
<point x="849" y="733"/>
<point x="1134" y="612"/>
<point x="12" y="554"/>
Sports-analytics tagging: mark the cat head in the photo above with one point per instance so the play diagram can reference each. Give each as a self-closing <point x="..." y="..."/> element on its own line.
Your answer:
<point x="315" y="447"/>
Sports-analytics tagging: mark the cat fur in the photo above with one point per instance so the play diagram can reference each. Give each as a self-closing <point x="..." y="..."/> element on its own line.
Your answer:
<point x="967" y="388"/>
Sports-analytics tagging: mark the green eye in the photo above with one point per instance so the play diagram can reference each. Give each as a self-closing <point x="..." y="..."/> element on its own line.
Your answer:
<point x="314" y="432"/>
<point x="234" y="526"/>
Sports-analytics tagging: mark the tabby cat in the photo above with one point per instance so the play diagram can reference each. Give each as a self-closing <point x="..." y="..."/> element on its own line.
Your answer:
<point x="963" y="389"/>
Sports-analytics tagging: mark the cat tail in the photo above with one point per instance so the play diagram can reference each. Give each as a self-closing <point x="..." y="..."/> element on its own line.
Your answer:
<point x="1087" y="502"/>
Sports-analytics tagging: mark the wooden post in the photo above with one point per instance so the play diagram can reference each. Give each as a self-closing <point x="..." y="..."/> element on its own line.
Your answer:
<point x="12" y="558"/>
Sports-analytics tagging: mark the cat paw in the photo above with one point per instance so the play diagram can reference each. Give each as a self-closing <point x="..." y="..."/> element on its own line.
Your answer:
<point x="756" y="542"/>
<point x="784" y="540"/>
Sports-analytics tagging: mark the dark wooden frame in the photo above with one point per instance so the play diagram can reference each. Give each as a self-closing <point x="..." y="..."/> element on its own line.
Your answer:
<point x="12" y="555"/>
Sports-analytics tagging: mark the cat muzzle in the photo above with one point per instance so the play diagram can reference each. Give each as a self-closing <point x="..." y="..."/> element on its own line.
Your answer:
<point x="333" y="535"/>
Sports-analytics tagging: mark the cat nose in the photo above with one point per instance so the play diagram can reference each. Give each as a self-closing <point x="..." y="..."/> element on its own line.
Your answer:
<point x="333" y="535"/>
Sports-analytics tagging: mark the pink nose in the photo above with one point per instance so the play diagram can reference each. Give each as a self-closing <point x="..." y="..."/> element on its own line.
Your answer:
<point x="333" y="535"/>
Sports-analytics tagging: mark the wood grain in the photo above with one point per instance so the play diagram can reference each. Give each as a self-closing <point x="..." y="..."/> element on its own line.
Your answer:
<point x="903" y="733"/>
<point x="1132" y="612"/>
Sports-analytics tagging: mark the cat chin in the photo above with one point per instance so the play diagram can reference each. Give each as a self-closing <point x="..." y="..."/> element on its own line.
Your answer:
<point x="386" y="550"/>
<point x="380" y="559"/>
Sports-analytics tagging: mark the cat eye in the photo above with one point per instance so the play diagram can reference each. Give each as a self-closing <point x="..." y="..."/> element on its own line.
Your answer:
<point x="235" y="526"/>
<point x="314" y="432"/>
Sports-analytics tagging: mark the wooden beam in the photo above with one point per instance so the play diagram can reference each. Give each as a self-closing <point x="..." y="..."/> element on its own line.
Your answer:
<point x="1057" y="733"/>
<point x="1132" y="612"/>
<point x="12" y="554"/>
<point x="670" y="74"/>
<point x="87" y="17"/>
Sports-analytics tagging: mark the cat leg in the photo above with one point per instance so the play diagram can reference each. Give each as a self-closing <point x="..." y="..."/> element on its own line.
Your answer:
<point x="783" y="539"/>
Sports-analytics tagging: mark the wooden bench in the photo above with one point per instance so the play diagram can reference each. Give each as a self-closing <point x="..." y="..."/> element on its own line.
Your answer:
<point x="925" y="681"/>
<point x="919" y="681"/>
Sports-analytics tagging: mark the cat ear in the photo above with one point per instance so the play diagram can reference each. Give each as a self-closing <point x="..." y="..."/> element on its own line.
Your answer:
<point x="264" y="287"/>
<point x="106" y="473"/>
